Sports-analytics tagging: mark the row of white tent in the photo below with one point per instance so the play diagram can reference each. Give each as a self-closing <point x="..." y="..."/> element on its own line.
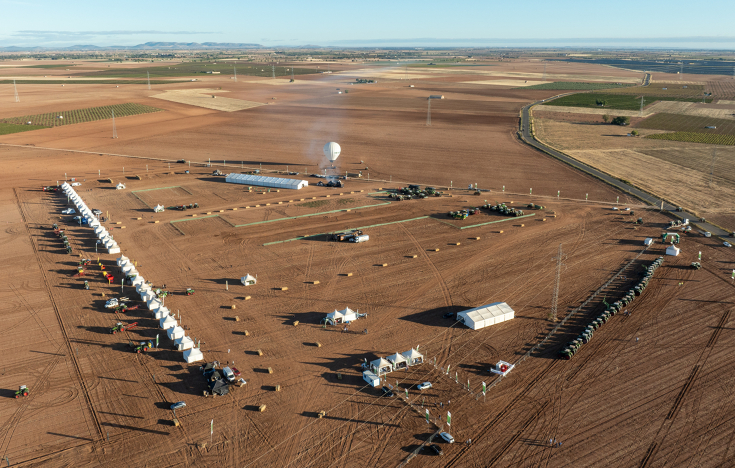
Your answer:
<point x="345" y="315"/>
<point x="396" y="361"/>
<point x="91" y="220"/>
<point x="263" y="181"/>
<point x="160" y="312"/>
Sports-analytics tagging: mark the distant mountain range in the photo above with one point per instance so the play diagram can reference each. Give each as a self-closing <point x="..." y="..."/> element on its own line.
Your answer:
<point x="146" y="46"/>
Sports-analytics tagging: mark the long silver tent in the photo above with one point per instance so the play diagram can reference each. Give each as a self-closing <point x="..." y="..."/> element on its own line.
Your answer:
<point x="263" y="181"/>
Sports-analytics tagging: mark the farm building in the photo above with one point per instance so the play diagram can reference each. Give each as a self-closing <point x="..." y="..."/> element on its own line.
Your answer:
<point x="248" y="280"/>
<point x="380" y="366"/>
<point x="487" y="315"/>
<point x="263" y="181"/>
<point x="413" y="357"/>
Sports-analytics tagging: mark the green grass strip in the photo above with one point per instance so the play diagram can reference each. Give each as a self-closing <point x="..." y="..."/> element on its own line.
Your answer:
<point x="193" y="219"/>
<point x="498" y="221"/>
<point x="308" y="215"/>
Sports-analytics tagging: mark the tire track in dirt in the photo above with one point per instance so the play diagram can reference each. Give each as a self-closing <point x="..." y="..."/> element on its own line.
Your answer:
<point x="77" y="369"/>
<point x="437" y="274"/>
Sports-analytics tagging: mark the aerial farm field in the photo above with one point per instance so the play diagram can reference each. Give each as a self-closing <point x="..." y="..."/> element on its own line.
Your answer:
<point x="651" y="388"/>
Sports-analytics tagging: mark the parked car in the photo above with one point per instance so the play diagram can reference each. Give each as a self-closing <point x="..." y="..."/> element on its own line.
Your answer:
<point x="387" y="392"/>
<point x="178" y="405"/>
<point x="76" y="184"/>
<point x="69" y="211"/>
<point x="181" y="161"/>
<point x="229" y="375"/>
<point x="436" y="449"/>
<point x="727" y="244"/>
<point x="707" y="234"/>
<point x="96" y="212"/>
<point x="447" y="437"/>
<point x="424" y="386"/>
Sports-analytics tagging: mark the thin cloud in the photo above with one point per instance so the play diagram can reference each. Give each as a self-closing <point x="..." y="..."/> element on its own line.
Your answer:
<point x="30" y="33"/>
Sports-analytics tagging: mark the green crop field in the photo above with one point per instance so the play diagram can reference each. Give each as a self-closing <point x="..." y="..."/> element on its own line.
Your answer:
<point x="613" y="101"/>
<point x="7" y="129"/>
<point x="694" y="137"/>
<point x="201" y="68"/>
<point x="662" y="90"/>
<point x="689" y="124"/>
<point x="89" y="114"/>
<point x="580" y="86"/>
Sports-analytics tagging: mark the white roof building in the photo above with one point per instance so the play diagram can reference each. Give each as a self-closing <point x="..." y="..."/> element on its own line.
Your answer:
<point x="263" y="181"/>
<point x="487" y="315"/>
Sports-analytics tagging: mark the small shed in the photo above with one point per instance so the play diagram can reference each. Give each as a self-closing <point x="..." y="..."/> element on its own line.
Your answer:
<point x="398" y="361"/>
<point x="380" y="366"/>
<point x="413" y="357"/>
<point x="248" y="280"/>
<point x="372" y="379"/>
<point x="183" y="343"/>
<point x="648" y="241"/>
<point x="193" y="355"/>
<point x="487" y="315"/>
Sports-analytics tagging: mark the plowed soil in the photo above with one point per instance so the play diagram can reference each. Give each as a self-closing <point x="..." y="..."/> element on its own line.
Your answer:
<point x="651" y="389"/>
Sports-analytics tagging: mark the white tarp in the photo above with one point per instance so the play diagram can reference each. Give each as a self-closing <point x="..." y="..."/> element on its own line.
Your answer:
<point x="248" y="280"/>
<point x="193" y="355"/>
<point x="183" y="343"/>
<point x="168" y="322"/>
<point x="175" y="333"/>
<point x="487" y="315"/>
<point x="263" y="181"/>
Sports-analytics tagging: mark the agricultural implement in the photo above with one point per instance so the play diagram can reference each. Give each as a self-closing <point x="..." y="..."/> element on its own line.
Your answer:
<point x="22" y="391"/>
<point x="80" y="271"/>
<point x="109" y="278"/>
<point x="181" y="207"/>
<point x="120" y="327"/>
<point x="122" y="308"/>
<point x="189" y="291"/>
<point x="86" y="284"/>
<point x="142" y="347"/>
<point x="84" y="262"/>
<point x="50" y="188"/>
<point x="535" y="207"/>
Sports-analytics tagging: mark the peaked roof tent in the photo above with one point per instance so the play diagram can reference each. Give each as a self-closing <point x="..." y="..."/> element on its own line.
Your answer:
<point x="379" y="366"/>
<point x="413" y="357"/>
<point x="396" y="359"/>
<point x="248" y="280"/>
<point x="487" y="315"/>
<point x="263" y="181"/>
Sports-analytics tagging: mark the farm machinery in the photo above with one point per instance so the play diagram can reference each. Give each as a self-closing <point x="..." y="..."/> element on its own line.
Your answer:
<point x="50" y="188"/>
<point x="190" y="206"/>
<point x="86" y="284"/>
<point x="462" y="214"/>
<point x="122" y="308"/>
<point x="535" y="207"/>
<point x="336" y="183"/>
<point x="189" y="291"/>
<point x="141" y="347"/>
<point x="114" y="302"/>
<point x="120" y="327"/>
<point x="22" y="391"/>
<point x="84" y="262"/>
<point x="696" y="265"/>
<point x="346" y="236"/>
<point x="502" y="208"/>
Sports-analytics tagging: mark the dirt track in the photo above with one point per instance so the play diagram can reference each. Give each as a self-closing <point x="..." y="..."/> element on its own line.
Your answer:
<point x="660" y="400"/>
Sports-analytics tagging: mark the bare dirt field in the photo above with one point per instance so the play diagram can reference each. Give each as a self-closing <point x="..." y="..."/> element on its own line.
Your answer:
<point x="651" y="388"/>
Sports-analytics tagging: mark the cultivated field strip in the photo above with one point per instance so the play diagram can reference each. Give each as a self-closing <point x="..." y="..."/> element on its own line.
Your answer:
<point x="91" y="114"/>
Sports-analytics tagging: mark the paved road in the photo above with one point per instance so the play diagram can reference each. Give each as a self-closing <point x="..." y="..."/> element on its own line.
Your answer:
<point x="532" y="141"/>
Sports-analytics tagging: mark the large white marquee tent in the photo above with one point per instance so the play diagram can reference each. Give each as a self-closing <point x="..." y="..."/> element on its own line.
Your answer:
<point x="487" y="315"/>
<point x="263" y="181"/>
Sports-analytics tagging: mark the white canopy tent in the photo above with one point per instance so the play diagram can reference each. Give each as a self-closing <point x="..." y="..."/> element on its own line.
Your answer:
<point x="158" y="209"/>
<point x="672" y="250"/>
<point x="113" y="249"/>
<point x="334" y="318"/>
<point x="183" y="343"/>
<point x="175" y="333"/>
<point x="398" y="361"/>
<point x="348" y="314"/>
<point x="168" y="322"/>
<point x="413" y="357"/>
<point x="380" y="366"/>
<point x="193" y="355"/>
<point x="153" y="303"/>
<point x="487" y="315"/>
<point x="138" y="281"/>
<point x="263" y="181"/>
<point x="161" y="312"/>
<point x="248" y="280"/>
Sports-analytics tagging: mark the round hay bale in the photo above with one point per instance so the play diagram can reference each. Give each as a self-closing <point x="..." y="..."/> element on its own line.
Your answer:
<point x="233" y="306"/>
<point x="237" y="318"/>
<point x="318" y="345"/>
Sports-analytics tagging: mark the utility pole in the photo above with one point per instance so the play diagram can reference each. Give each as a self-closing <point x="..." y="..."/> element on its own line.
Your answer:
<point x="114" y="129"/>
<point x="428" y="114"/>
<point x="555" y="298"/>
<point x="149" y="79"/>
<point x="17" y="99"/>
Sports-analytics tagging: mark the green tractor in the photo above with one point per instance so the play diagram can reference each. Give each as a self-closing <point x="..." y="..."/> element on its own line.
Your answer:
<point x="189" y="291"/>
<point x="86" y="284"/>
<point x="142" y="347"/>
<point x="22" y="391"/>
<point x="696" y="265"/>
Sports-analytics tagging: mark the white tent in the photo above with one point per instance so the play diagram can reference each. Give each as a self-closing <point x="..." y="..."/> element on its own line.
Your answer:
<point x="168" y="322"/>
<point x="193" y="355"/>
<point x="413" y="357"/>
<point x="153" y="303"/>
<point x="129" y="270"/>
<point x="158" y="209"/>
<point x="398" y="361"/>
<point x="672" y="250"/>
<point x="120" y="186"/>
<point x="487" y="315"/>
<point x="138" y="281"/>
<point x="381" y="366"/>
<point x="147" y="295"/>
<point x="161" y="312"/>
<point x="348" y="314"/>
<point x="113" y="249"/>
<point x="175" y="333"/>
<point x="263" y="181"/>
<point x="248" y="280"/>
<point x="183" y="343"/>
<point x="334" y="318"/>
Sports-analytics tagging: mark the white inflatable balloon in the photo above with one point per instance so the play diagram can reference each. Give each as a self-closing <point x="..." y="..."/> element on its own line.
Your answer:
<point x="332" y="150"/>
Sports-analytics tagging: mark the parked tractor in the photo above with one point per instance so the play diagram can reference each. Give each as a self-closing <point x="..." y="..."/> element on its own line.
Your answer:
<point x="86" y="284"/>
<point x="142" y="347"/>
<point x="189" y="291"/>
<point x="696" y="265"/>
<point x="22" y="391"/>
<point x="120" y="327"/>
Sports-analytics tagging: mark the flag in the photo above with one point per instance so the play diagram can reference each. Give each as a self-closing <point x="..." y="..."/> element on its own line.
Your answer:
<point x="406" y="393"/>
<point x="484" y="388"/>
<point x="156" y="341"/>
<point x="211" y="427"/>
<point x="427" y="415"/>
<point x="449" y="418"/>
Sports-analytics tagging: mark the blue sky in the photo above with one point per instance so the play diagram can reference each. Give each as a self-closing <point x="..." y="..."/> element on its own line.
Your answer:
<point x="370" y="22"/>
